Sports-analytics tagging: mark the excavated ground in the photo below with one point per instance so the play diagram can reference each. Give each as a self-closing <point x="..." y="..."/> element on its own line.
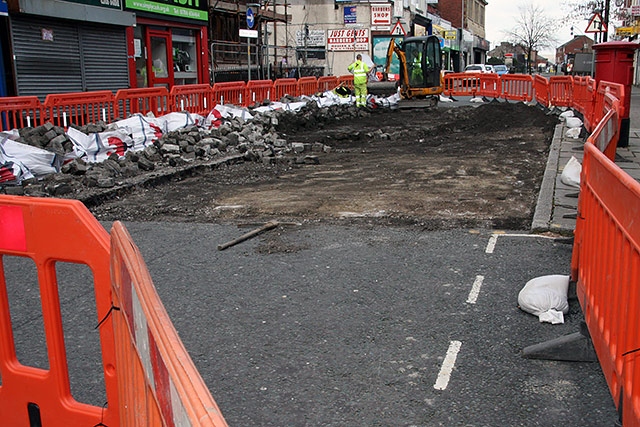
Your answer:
<point x="445" y="167"/>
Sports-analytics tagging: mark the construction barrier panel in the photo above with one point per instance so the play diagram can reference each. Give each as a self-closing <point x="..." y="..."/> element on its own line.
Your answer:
<point x="80" y="108"/>
<point x="606" y="267"/>
<point x="517" y="87"/>
<point x="259" y="91"/>
<point x="158" y="382"/>
<point x="154" y="100"/>
<point x="490" y="85"/>
<point x="229" y="93"/>
<point x="49" y="231"/>
<point x="327" y="83"/>
<point x="461" y="84"/>
<point x="307" y="86"/>
<point x="347" y="81"/>
<point x="580" y="93"/>
<point x="284" y="87"/>
<point x="20" y="111"/>
<point x="194" y="98"/>
<point x="561" y="91"/>
<point x="541" y="89"/>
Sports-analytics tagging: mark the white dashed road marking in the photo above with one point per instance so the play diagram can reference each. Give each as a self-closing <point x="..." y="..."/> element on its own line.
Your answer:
<point x="447" y="366"/>
<point x="475" y="290"/>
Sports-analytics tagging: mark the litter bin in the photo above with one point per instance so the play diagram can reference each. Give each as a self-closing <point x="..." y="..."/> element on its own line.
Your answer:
<point x="614" y="63"/>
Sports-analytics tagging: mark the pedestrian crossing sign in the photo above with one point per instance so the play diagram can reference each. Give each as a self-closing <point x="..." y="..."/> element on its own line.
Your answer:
<point x="398" y="30"/>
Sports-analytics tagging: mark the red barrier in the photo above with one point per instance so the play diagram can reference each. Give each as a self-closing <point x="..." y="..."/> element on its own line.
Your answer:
<point x="517" y="87"/>
<point x="154" y="100"/>
<point x="21" y="111"/>
<point x="347" y="81"/>
<point x="541" y="88"/>
<point x="229" y="93"/>
<point x="327" y="83"/>
<point x="490" y="85"/>
<point x="284" y="87"/>
<point x="307" y="86"/>
<point x="259" y="91"/>
<point x="192" y="98"/>
<point x="560" y="91"/>
<point x="32" y="228"/>
<point x="81" y="108"/>
<point x="461" y="84"/>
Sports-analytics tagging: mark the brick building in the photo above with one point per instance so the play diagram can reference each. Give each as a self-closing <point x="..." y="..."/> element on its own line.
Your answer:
<point x="579" y="44"/>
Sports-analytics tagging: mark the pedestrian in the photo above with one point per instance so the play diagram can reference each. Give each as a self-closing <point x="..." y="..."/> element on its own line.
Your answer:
<point x="360" y="72"/>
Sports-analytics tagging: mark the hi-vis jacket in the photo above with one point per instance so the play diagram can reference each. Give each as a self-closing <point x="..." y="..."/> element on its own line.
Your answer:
<point x="360" y="71"/>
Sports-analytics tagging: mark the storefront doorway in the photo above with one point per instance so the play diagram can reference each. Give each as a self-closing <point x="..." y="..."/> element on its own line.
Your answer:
<point x="159" y="58"/>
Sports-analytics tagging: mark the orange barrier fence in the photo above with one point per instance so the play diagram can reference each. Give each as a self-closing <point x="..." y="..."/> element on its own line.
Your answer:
<point x="228" y="93"/>
<point x="149" y="377"/>
<point x="80" y="109"/>
<point x="326" y="83"/>
<point x="560" y="91"/>
<point x="192" y="98"/>
<point x="284" y="87"/>
<point x="347" y="81"/>
<point x="580" y="93"/>
<point x="307" y="86"/>
<point x="154" y="100"/>
<point x="517" y="87"/>
<point x="258" y="91"/>
<point x="461" y="84"/>
<point x="541" y="89"/>
<point x="490" y="85"/>
<point x="606" y="267"/>
<point x="150" y="355"/>
<point x="20" y="111"/>
<point x="33" y="228"/>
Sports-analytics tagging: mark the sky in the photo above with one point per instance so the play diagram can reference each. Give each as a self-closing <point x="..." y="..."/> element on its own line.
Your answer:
<point x="502" y="15"/>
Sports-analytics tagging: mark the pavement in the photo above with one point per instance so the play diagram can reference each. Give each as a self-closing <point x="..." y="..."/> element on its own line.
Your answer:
<point x="556" y="209"/>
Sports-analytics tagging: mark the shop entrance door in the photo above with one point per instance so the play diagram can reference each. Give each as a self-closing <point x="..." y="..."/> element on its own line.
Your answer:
<point x="160" y="61"/>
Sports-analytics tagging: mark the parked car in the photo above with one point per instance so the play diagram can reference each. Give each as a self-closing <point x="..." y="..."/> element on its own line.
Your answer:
<point x="501" y="69"/>
<point x="478" y="68"/>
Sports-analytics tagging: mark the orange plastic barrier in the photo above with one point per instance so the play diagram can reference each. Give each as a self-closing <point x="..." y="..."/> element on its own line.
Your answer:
<point x="461" y="84"/>
<point x="327" y="83"/>
<point x="258" y="91"/>
<point x="284" y="87"/>
<point x="606" y="267"/>
<point x="517" y="87"/>
<point x="81" y="108"/>
<point x="541" y="88"/>
<point x="307" y="86"/>
<point x="560" y="91"/>
<point x="229" y="93"/>
<point x="20" y="111"/>
<point x="46" y="231"/>
<point x="490" y="85"/>
<point x="158" y="383"/>
<point x="192" y="98"/>
<point x="347" y="81"/>
<point x="143" y="100"/>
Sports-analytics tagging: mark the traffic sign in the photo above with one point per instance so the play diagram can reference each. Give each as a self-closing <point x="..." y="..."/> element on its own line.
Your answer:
<point x="398" y="30"/>
<point x="251" y="19"/>
<point x="596" y="25"/>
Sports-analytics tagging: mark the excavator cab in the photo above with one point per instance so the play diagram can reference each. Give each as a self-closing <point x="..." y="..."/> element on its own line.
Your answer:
<point x="420" y="65"/>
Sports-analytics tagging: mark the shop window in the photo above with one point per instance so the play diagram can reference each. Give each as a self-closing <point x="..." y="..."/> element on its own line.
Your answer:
<point x="185" y="63"/>
<point x="139" y="53"/>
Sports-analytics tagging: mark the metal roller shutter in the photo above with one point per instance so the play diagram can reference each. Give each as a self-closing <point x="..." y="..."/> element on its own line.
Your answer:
<point x="45" y="66"/>
<point x="104" y="53"/>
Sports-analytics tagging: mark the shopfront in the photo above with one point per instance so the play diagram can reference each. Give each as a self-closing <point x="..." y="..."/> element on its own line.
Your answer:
<point x="168" y="45"/>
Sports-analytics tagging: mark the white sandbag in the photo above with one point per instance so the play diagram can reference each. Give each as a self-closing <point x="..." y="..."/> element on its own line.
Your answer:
<point x="97" y="147"/>
<point x="564" y="115"/>
<point x="445" y="99"/>
<point x="32" y="160"/>
<point x="573" y="122"/>
<point x="571" y="173"/>
<point x="546" y="297"/>
<point x="573" y="133"/>
<point x="477" y="99"/>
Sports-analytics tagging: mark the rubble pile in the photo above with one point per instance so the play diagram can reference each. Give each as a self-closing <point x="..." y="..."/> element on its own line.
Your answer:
<point x="261" y="138"/>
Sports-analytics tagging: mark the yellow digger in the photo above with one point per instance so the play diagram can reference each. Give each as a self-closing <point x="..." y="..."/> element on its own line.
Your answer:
<point x="420" y="70"/>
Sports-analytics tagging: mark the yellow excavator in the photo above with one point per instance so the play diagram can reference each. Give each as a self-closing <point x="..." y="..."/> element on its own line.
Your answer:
<point x="420" y="69"/>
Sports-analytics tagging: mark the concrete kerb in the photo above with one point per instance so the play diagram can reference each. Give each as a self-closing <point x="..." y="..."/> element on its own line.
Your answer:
<point x="542" y="216"/>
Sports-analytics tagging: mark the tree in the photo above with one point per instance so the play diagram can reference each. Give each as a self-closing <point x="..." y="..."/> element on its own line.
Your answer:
<point x="579" y="11"/>
<point x="533" y="31"/>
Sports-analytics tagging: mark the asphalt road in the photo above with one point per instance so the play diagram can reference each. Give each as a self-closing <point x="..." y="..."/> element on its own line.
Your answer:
<point x="320" y="325"/>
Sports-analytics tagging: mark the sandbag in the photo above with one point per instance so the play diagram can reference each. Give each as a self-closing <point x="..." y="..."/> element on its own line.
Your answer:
<point x="571" y="173"/>
<point x="573" y="133"/>
<point x="546" y="297"/>
<point x="574" y="122"/>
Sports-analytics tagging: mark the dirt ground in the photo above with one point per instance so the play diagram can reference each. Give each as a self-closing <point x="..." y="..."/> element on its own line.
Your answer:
<point x="441" y="168"/>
